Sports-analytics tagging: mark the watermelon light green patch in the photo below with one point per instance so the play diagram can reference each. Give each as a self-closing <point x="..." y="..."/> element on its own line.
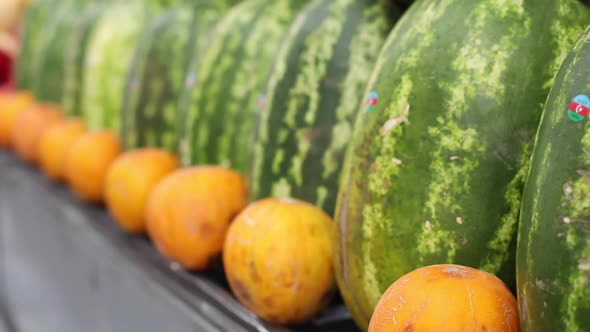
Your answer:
<point x="373" y="214"/>
<point x="384" y="165"/>
<point x="535" y="204"/>
<point x="500" y="243"/>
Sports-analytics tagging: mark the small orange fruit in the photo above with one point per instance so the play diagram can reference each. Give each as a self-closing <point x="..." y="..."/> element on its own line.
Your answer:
<point x="130" y="179"/>
<point x="28" y="128"/>
<point x="87" y="162"/>
<point x="11" y="106"/>
<point x="54" y="145"/>
<point x="446" y="297"/>
<point x="189" y="211"/>
<point x="278" y="259"/>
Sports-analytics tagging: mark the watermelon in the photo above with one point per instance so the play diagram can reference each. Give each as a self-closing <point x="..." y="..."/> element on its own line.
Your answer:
<point x="553" y="256"/>
<point x="74" y="57"/>
<point x="49" y="70"/>
<point x="219" y="111"/>
<point x="150" y="114"/>
<point x="437" y="162"/>
<point x="32" y="28"/>
<point x="108" y="55"/>
<point x="38" y="36"/>
<point x="308" y="103"/>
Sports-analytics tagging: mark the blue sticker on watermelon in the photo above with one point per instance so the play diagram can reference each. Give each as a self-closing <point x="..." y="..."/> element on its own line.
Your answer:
<point x="372" y="100"/>
<point x="579" y="108"/>
<point x="261" y="103"/>
<point x="191" y="80"/>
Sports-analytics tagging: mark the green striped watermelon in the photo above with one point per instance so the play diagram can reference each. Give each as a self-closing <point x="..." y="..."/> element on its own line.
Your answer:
<point x="38" y="34"/>
<point x="309" y="100"/>
<point x="151" y="107"/>
<point x="74" y="58"/>
<point x="108" y="57"/>
<point x="553" y="257"/>
<point x="435" y="169"/>
<point x="34" y="22"/>
<point x="49" y="70"/>
<point x="220" y="110"/>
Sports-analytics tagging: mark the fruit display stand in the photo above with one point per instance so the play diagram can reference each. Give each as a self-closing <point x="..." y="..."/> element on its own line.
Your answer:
<point x="65" y="266"/>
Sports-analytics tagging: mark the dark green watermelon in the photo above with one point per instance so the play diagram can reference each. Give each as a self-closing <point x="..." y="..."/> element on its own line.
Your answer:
<point x="46" y="28"/>
<point x="108" y="55"/>
<point x="32" y="28"/>
<point x="48" y="78"/>
<point x="439" y="155"/>
<point x="219" y="112"/>
<point x="110" y="50"/>
<point x="150" y="114"/>
<point x="75" y="54"/>
<point x="309" y="101"/>
<point x="553" y="257"/>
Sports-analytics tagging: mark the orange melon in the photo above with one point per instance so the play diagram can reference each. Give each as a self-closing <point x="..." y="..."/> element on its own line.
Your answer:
<point x="11" y="105"/>
<point x="54" y="145"/>
<point x="446" y="297"/>
<point x="130" y="179"/>
<point x="189" y="212"/>
<point x="278" y="259"/>
<point x="87" y="162"/>
<point x="28" y="128"/>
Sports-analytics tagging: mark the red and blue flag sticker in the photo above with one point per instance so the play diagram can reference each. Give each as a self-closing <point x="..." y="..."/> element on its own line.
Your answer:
<point x="371" y="102"/>
<point x="191" y="80"/>
<point x="579" y="108"/>
<point x="261" y="103"/>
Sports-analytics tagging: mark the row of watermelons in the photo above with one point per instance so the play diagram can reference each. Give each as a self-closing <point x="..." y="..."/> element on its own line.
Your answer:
<point x="437" y="104"/>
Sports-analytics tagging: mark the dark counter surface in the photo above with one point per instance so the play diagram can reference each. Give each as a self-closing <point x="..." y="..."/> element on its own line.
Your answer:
<point x="66" y="266"/>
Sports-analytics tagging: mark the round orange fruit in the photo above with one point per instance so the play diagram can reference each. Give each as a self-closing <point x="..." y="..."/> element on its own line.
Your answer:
<point x="278" y="259"/>
<point x="446" y="298"/>
<point x="10" y="107"/>
<point x="28" y="128"/>
<point x="130" y="179"/>
<point x="54" y="145"/>
<point x="189" y="211"/>
<point x="87" y="161"/>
